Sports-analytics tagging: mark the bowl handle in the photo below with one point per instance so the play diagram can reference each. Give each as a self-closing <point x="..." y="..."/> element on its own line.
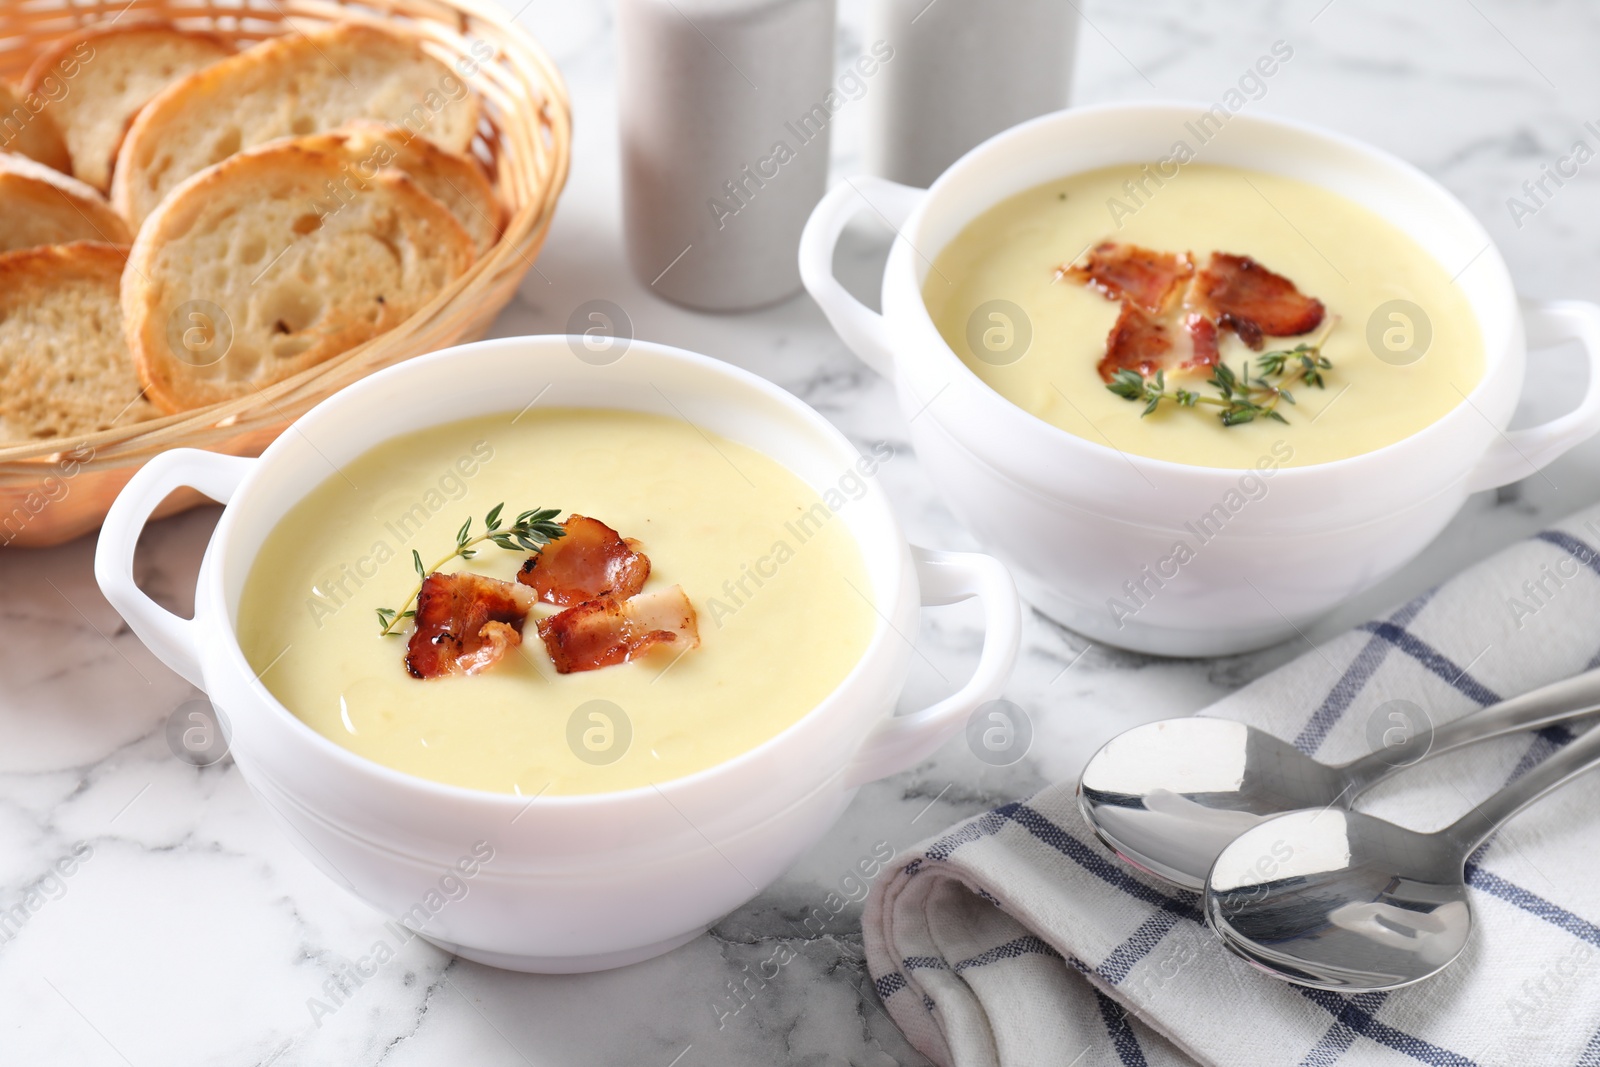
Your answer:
<point x="172" y="638"/>
<point x="946" y="578"/>
<point x="1519" y="453"/>
<point x="861" y="328"/>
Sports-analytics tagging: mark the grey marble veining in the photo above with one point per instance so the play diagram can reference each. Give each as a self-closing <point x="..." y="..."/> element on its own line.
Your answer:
<point x="189" y="931"/>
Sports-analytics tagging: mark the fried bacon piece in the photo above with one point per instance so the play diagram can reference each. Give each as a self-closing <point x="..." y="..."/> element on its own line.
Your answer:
<point x="1202" y="341"/>
<point x="465" y="624"/>
<point x="1241" y="295"/>
<point x="592" y="560"/>
<point x="1139" y="341"/>
<point x="1127" y="272"/>
<point x="609" y="630"/>
<point x="1142" y="342"/>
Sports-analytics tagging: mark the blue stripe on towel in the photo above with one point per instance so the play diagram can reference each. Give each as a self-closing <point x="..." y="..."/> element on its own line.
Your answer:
<point x="1546" y="741"/>
<point x="1532" y="903"/>
<point x="923" y="963"/>
<point x="1359" y="1014"/>
<point x="991" y="823"/>
<point x="1337" y="1041"/>
<point x="889" y="985"/>
<point x="983" y="826"/>
<point x="1027" y="945"/>
<point x="1434" y="660"/>
<point x="1139" y="944"/>
<point x="1185" y="906"/>
<point x="1354" y="678"/>
<point x="1123" y="1038"/>
<point x="1149" y="934"/>
<point x="1590" y="1057"/>
<point x="1332" y="1045"/>
<point x="1579" y="550"/>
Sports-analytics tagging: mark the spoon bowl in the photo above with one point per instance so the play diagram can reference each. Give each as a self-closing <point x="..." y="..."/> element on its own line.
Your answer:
<point x="1169" y="796"/>
<point x="1339" y="900"/>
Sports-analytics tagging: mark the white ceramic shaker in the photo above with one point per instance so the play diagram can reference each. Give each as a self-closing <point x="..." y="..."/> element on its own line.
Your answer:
<point x="725" y="120"/>
<point x="963" y="71"/>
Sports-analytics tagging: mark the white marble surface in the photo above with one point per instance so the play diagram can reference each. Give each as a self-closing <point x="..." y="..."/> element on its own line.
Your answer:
<point x="195" y="934"/>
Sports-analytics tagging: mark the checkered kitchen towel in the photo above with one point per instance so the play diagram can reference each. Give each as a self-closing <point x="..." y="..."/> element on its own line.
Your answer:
<point x="1017" y="939"/>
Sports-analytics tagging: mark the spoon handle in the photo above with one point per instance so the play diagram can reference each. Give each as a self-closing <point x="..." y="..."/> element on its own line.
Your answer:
<point x="1577" y="757"/>
<point x="1557" y="702"/>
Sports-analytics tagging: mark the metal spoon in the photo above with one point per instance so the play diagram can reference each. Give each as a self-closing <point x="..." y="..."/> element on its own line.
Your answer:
<point x="1346" y="901"/>
<point x="1169" y="796"/>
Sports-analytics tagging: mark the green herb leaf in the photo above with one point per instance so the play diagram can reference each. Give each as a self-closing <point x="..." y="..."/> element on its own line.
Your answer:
<point x="1242" y="396"/>
<point x="531" y="532"/>
<point x="1127" y="384"/>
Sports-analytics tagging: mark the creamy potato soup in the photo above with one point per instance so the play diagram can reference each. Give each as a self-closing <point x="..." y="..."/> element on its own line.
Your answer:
<point x="1399" y="340"/>
<point x="775" y="578"/>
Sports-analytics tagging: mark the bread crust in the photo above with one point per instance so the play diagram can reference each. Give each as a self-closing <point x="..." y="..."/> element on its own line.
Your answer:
<point x="101" y="96"/>
<point x="64" y="365"/>
<point x="299" y="265"/>
<point x="456" y="181"/>
<point x="27" y="129"/>
<point x="293" y="85"/>
<point x="41" y="206"/>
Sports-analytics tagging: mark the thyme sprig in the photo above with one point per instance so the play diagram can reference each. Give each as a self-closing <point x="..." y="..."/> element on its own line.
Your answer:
<point x="1244" y="397"/>
<point x="531" y="531"/>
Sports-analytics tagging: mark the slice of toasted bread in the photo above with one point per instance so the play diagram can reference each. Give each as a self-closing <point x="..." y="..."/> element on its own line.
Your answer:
<point x="288" y="87"/>
<point x="26" y="129"/>
<point x="275" y="270"/>
<point x="40" y="206"/>
<point x="456" y="181"/>
<point x="64" y="366"/>
<point x="97" y="79"/>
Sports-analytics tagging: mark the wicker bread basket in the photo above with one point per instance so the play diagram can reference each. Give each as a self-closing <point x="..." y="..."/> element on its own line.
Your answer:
<point x="52" y="491"/>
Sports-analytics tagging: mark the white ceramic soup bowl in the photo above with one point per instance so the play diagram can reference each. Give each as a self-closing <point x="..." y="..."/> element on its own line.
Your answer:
<point x="1086" y="528"/>
<point x="572" y="883"/>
